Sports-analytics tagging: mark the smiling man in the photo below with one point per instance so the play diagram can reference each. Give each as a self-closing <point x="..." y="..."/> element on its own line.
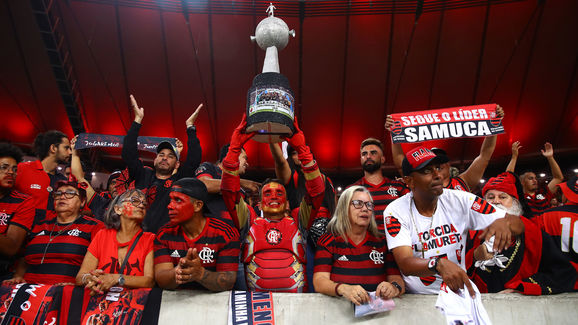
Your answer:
<point x="156" y="183"/>
<point x="427" y="228"/>
<point x="274" y="247"/>
<point x="195" y="250"/>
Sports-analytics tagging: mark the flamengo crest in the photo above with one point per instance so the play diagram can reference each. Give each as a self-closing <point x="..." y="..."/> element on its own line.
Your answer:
<point x="273" y="236"/>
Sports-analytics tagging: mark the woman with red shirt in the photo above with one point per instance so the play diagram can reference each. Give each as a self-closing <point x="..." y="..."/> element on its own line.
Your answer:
<point x="352" y="258"/>
<point x="104" y="265"/>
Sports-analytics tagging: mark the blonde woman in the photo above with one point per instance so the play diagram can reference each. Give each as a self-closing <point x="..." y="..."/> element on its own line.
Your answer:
<point x="352" y="258"/>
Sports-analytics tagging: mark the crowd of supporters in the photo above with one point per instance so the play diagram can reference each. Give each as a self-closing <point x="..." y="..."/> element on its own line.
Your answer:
<point x="183" y="224"/>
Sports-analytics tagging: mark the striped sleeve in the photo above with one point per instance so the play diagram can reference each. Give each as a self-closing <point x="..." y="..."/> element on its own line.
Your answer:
<point x="323" y="257"/>
<point x="228" y="256"/>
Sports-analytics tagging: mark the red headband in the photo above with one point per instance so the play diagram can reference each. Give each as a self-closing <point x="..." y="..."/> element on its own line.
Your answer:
<point x="505" y="182"/>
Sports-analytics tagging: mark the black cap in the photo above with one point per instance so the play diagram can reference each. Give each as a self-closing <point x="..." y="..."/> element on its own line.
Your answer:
<point x="440" y="152"/>
<point x="193" y="188"/>
<point x="168" y="145"/>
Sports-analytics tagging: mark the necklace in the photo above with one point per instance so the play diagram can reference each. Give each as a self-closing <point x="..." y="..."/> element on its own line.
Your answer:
<point x="54" y="237"/>
<point x="421" y="241"/>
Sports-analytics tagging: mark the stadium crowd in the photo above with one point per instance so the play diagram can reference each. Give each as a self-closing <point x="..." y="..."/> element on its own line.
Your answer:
<point x="184" y="224"/>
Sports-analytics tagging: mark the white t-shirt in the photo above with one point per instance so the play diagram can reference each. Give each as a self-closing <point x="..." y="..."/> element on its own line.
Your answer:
<point x="442" y="235"/>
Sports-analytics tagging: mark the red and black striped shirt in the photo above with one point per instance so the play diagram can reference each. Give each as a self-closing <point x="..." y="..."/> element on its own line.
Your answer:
<point x="217" y="246"/>
<point x="457" y="183"/>
<point x="16" y="209"/>
<point x="539" y="201"/>
<point x="62" y="246"/>
<point x="367" y="264"/>
<point x="383" y="194"/>
<point x="562" y="223"/>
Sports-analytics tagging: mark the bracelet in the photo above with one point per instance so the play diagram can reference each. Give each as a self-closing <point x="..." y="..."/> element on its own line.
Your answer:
<point x="336" y="287"/>
<point x="84" y="278"/>
<point x="395" y="284"/>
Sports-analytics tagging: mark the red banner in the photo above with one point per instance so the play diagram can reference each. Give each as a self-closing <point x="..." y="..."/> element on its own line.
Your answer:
<point x="445" y="123"/>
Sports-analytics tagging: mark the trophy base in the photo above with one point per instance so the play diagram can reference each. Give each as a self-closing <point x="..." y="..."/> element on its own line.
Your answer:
<point x="270" y="108"/>
<point x="269" y="132"/>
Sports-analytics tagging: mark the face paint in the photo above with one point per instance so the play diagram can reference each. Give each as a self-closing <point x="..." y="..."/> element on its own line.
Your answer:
<point x="181" y="208"/>
<point x="274" y="198"/>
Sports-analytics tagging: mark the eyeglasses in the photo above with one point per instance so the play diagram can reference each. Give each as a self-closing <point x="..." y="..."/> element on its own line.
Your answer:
<point x="4" y="168"/>
<point x="358" y="204"/>
<point x="136" y="201"/>
<point x="66" y="194"/>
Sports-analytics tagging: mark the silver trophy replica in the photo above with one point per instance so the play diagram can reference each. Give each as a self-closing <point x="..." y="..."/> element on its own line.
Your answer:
<point x="270" y="102"/>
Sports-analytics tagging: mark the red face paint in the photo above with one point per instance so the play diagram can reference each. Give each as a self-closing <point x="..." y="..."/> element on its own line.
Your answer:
<point x="181" y="208"/>
<point x="274" y="198"/>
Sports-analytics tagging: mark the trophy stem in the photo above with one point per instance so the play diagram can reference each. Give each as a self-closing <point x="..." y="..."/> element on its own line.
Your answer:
<point x="271" y="63"/>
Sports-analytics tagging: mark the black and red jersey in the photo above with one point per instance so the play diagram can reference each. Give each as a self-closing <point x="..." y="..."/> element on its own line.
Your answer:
<point x="562" y="223"/>
<point x="539" y="201"/>
<point x="383" y="194"/>
<point x="535" y="266"/>
<point x="217" y="246"/>
<point x="457" y="183"/>
<point x="367" y="264"/>
<point x="55" y="251"/>
<point x="156" y="189"/>
<point x="16" y="209"/>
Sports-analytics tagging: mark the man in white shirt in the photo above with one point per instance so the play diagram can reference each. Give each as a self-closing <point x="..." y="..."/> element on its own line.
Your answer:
<point x="427" y="228"/>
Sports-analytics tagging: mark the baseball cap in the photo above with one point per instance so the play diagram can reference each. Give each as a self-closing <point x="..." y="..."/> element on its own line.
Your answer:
<point x="440" y="152"/>
<point x="168" y="145"/>
<point x="193" y="188"/>
<point x="418" y="158"/>
<point x="570" y="189"/>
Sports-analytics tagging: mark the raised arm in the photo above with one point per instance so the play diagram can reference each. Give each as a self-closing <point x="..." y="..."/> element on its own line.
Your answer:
<point x="194" y="150"/>
<point x="129" y="146"/>
<point x="514" y="159"/>
<point x="282" y="169"/>
<point x="314" y="180"/>
<point x="476" y="170"/>
<point x="557" y="176"/>
<point x="230" y="183"/>
<point x="397" y="154"/>
<point x="77" y="172"/>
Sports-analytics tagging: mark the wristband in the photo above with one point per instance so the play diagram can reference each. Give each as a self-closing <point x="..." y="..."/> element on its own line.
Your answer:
<point x="84" y="278"/>
<point x="336" y="287"/>
<point x="433" y="264"/>
<point x="396" y="285"/>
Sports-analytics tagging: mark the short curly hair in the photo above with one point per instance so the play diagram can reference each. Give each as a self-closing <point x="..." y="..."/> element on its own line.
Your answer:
<point x="10" y="150"/>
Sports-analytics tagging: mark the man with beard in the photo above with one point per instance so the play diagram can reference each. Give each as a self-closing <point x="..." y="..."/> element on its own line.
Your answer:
<point x="538" y="197"/>
<point x="16" y="209"/>
<point x="38" y="178"/>
<point x="156" y="183"/>
<point x="195" y="251"/>
<point x="383" y="190"/>
<point x="427" y="228"/>
<point x="531" y="263"/>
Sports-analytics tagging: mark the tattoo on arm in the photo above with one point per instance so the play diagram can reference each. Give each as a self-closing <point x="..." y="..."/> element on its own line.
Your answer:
<point x="218" y="281"/>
